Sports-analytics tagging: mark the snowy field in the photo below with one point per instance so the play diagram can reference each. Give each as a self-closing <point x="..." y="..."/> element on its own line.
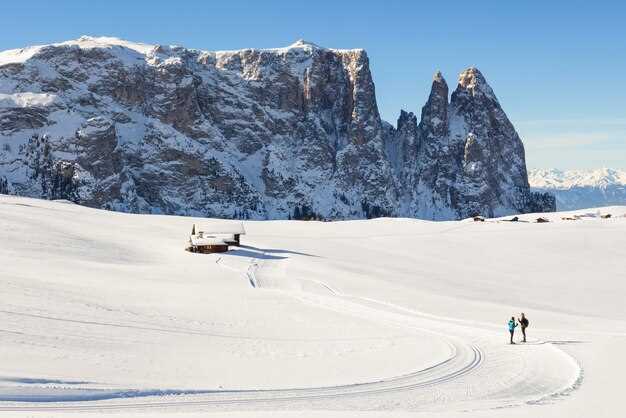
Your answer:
<point x="103" y="313"/>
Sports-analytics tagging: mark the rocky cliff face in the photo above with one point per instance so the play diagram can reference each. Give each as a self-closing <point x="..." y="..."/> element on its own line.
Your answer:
<point x="464" y="157"/>
<point x="290" y="132"/>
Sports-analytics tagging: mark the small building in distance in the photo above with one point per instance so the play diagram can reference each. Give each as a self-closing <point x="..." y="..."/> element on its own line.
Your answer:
<point x="230" y="232"/>
<point x="198" y="243"/>
<point x="215" y="237"/>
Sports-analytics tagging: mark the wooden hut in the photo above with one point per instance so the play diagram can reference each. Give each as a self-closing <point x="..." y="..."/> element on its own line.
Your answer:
<point x="229" y="232"/>
<point x="200" y="243"/>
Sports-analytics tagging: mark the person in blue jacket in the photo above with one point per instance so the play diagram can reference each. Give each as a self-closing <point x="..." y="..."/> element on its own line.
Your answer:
<point x="512" y="326"/>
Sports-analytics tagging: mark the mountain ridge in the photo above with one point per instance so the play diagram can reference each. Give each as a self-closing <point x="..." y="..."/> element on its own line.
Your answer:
<point x="253" y="133"/>
<point x="580" y="189"/>
<point x="565" y="179"/>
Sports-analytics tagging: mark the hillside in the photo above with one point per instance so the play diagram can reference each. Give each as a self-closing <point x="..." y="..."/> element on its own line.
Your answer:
<point x="385" y="315"/>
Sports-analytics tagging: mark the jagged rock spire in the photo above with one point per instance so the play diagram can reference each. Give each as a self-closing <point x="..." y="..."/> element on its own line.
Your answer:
<point x="438" y="77"/>
<point x="407" y="121"/>
<point x="491" y="153"/>
<point x="439" y="88"/>
<point x="434" y="121"/>
<point x="473" y="83"/>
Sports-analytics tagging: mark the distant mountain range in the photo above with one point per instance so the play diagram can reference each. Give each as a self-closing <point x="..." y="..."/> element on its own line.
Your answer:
<point x="579" y="189"/>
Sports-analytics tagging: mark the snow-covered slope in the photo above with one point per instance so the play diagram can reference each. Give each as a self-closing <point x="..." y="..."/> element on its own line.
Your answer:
<point x="577" y="189"/>
<point x="263" y="134"/>
<point x="104" y="313"/>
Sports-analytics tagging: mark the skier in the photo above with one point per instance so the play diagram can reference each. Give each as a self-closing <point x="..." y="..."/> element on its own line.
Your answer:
<point x="523" y="321"/>
<point x="512" y="325"/>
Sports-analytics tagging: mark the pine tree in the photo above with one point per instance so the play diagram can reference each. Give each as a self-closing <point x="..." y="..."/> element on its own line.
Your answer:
<point x="193" y="230"/>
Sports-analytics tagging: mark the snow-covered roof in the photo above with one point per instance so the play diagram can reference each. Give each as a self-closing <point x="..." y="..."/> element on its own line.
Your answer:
<point x="222" y="228"/>
<point x="206" y="240"/>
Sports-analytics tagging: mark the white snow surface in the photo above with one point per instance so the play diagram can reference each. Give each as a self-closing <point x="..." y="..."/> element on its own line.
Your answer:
<point x="26" y="99"/>
<point x="17" y="56"/>
<point x="104" y="313"/>
<point x="21" y="55"/>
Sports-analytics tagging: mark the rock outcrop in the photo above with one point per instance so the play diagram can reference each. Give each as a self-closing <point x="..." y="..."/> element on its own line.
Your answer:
<point x="465" y="156"/>
<point x="266" y="134"/>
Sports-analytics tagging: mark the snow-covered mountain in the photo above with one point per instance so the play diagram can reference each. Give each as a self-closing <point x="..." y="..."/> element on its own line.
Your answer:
<point x="265" y="134"/>
<point x="578" y="189"/>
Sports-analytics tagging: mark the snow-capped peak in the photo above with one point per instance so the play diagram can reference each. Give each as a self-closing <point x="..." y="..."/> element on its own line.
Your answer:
<point x="567" y="179"/>
<point x="308" y="47"/>
<point x="301" y="43"/>
<point x="438" y="77"/>
<point x="16" y="56"/>
<point x="474" y="82"/>
<point x="470" y="77"/>
<point x="88" y="42"/>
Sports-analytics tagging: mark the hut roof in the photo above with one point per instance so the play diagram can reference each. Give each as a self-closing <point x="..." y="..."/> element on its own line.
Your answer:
<point x="223" y="228"/>
<point x="206" y="240"/>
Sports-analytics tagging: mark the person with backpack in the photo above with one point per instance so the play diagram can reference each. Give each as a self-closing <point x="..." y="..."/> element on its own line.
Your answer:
<point x="523" y="321"/>
<point x="512" y="326"/>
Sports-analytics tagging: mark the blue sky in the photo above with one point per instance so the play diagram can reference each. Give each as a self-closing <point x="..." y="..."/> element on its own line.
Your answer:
<point x="558" y="67"/>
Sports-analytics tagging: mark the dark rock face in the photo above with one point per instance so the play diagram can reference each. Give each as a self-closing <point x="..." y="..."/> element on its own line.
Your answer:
<point x="468" y="159"/>
<point x="438" y="165"/>
<point x="493" y="165"/>
<point x="292" y="132"/>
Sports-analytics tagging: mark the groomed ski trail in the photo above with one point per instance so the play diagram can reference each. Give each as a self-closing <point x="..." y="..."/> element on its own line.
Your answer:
<point x="481" y="371"/>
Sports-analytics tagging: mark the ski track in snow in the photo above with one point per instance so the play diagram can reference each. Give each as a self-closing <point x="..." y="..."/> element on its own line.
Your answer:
<point x="468" y="367"/>
<point x="453" y="380"/>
